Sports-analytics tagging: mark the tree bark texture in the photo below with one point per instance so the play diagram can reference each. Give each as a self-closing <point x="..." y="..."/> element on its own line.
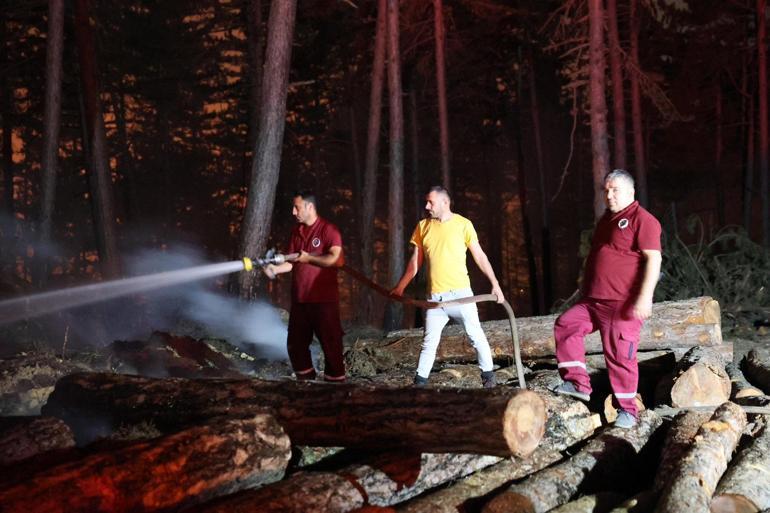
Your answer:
<point x="303" y="492"/>
<point x="745" y="487"/>
<point x="597" y="65"/>
<point x="49" y="159"/>
<point x="740" y="387"/>
<point x="690" y="488"/>
<point x="30" y="436"/>
<point x="255" y="50"/>
<point x="679" y="437"/>
<point x="499" y="422"/>
<point x="606" y="456"/>
<point x="185" y="468"/>
<point x="700" y="379"/>
<point x="267" y="154"/>
<point x="762" y="113"/>
<point x="756" y="368"/>
<point x="396" y="182"/>
<point x="674" y="324"/>
<point x="443" y="113"/>
<point x="636" y="105"/>
<point x="616" y="70"/>
<point x="569" y="422"/>
<point x="100" y="176"/>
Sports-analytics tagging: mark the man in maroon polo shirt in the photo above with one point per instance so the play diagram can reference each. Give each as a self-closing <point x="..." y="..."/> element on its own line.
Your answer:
<point x="315" y="304"/>
<point x="620" y="276"/>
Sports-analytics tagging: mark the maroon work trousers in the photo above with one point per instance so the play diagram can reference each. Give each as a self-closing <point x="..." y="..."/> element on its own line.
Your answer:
<point x="323" y="319"/>
<point x="619" y="332"/>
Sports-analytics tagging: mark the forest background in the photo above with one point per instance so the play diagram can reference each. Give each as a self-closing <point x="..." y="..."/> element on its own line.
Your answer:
<point x="130" y="126"/>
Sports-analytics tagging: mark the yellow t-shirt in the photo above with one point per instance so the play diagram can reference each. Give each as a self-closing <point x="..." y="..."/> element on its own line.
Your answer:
<point x="444" y="246"/>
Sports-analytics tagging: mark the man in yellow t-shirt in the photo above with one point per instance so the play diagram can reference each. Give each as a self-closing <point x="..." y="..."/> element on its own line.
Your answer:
<point x="442" y="241"/>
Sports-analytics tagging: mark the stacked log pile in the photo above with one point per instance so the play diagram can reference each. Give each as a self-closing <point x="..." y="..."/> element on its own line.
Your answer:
<point x="225" y="444"/>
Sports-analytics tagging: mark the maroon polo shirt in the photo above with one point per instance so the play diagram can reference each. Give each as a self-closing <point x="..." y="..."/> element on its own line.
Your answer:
<point x="311" y="283"/>
<point x="615" y="267"/>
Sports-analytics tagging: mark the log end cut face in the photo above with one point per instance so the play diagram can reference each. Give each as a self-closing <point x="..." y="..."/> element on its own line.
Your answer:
<point x="524" y="422"/>
<point x="700" y="385"/>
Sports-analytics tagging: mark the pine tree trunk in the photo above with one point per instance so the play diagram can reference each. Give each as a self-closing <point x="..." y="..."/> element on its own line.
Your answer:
<point x="636" y="106"/>
<point x="748" y="179"/>
<point x="51" y="125"/>
<point x="254" y="70"/>
<point x="597" y="65"/>
<point x="369" y="196"/>
<point x="616" y="69"/>
<point x="500" y="422"/>
<point x="100" y="174"/>
<point x="443" y="114"/>
<point x="394" y="311"/>
<point x="762" y="113"/>
<point x="181" y="469"/>
<point x="691" y="486"/>
<point x="267" y="156"/>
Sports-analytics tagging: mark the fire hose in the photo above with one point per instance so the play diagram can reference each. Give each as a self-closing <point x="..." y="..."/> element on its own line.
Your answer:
<point x="274" y="258"/>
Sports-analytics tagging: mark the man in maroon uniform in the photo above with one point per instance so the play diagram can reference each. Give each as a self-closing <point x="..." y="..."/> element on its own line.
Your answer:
<point x="620" y="276"/>
<point x="314" y="296"/>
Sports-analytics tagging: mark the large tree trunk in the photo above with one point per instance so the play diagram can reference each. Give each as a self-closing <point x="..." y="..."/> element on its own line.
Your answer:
<point x="51" y="125"/>
<point x="100" y="174"/>
<point x="267" y="154"/>
<point x="691" y="486"/>
<point x="185" y="468"/>
<point x="502" y="422"/>
<point x="7" y="248"/>
<point x="679" y="438"/>
<point x="700" y="379"/>
<point x="443" y="115"/>
<point x="369" y="196"/>
<point x="303" y="492"/>
<point x="636" y="105"/>
<point x="255" y="50"/>
<point x="569" y="422"/>
<point x="762" y="113"/>
<point x="616" y="69"/>
<point x="394" y="311"/>
<point x="756" y="368"/>
<point x="674" y="324"/>
<point x="604" y="456"/>
<point x="597" y="64"/>
<point x="748" y="179"/>
<point x="745" y="487"/>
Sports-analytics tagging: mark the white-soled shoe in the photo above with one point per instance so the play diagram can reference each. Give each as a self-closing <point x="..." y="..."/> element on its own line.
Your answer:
<point x="568" y="388"/>
<point x="625" y="420"/>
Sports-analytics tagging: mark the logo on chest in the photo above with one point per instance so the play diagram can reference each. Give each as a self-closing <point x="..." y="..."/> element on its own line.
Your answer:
<point x="316" y="242"/>
<point x="623" y="224"/>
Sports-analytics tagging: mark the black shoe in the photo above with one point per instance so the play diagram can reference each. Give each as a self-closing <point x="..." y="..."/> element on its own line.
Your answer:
<point x="488" y="379"/>
<point x="419" y="381"/>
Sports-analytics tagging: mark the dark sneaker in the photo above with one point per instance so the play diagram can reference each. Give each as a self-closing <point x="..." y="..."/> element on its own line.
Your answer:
<point x="306" y="376"/>
<point x="625" y="420"/>
<point x="419" y="381"/>
<point x="568" y="388"/>
<point x="488" y="379"/>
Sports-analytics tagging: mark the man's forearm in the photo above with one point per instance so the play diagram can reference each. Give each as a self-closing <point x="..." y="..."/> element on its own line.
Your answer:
<point x="650" y="279"/>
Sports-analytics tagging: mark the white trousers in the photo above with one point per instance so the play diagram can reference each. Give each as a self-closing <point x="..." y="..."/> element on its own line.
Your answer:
<point x="436" y="319"/>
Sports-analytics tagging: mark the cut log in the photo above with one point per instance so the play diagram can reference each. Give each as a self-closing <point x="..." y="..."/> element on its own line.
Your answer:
<point x="745" y="487"/>
<point x="756" y="368"/>
<point x="303" y="492"/>
<point x="496" y="422"/>
<point x="606" y="456"/>
<point x="180" y="469"/>
<point x="674" y="324"/>
<point x="611" y="413"/>
<point x="596" y="503"/>
<point x="679" y="437"/>
<point x="700" y="379"/>
<point x="24" y="437"/>
<point x="569" y="422"/>
<point x="699" y="471"/>
<point x="642" y="502"/>
<point x="740" y="387"/>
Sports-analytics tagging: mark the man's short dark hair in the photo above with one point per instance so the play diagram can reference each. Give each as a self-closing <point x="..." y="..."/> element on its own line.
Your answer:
<point x="621" y="174"/>
<point x="441" y="190"/>
<point x="308" y="196"/>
